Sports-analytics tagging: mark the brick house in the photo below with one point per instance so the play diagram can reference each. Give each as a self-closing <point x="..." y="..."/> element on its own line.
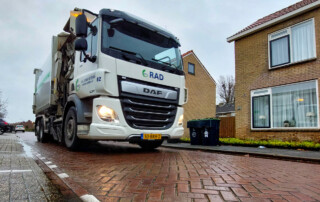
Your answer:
<point x="277" y="75"/>
<point x="201" y="90"/>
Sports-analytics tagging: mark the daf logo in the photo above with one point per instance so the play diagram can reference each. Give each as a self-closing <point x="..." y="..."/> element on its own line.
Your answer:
<point x="154" y="92"/>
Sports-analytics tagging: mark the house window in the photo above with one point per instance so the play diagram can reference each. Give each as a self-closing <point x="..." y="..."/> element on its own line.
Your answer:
<point x="261" y="111"/>
<point x="191" y="68"/>
<point x="279" y="51"/>
<point x="293" y="44"/>
<point x="294" y="106"/>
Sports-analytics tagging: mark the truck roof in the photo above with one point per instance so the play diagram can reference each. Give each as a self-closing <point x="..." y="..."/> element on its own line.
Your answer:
<point x="135" y="19"/>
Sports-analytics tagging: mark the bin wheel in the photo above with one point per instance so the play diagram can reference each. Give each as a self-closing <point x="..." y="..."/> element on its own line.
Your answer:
<point x="149" y="145"/>
<point x="71" y="139"/>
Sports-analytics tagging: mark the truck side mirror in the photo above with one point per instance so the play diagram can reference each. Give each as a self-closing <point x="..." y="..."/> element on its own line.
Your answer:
<point x="81" y="44"/>
<point x="81" y="26"/>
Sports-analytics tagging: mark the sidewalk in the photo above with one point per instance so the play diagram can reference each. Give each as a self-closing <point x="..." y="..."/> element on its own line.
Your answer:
<point x="20" y="177"/>
<point x="267" y="152"/>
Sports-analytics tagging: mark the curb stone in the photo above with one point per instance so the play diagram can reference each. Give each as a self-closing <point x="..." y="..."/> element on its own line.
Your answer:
<point x="70" y="188"/>
<point x="243" y="152"/>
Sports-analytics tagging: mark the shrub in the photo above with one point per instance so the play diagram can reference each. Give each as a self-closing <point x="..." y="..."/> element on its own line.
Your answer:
<point x="268" y="143"/>
<point x="271" y="143"/>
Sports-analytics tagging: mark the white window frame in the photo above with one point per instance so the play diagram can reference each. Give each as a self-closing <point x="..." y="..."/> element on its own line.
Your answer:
<point x="287" y="32"/>
<point x="258" y="93"/>
<point x="268" y="91"/>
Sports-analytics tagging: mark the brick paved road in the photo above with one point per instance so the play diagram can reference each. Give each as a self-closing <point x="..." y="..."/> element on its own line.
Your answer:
<point x="119" y="171"/>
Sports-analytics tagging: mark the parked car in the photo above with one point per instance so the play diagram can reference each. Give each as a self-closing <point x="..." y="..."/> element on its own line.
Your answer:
<point x="3" y="126"/>
<point x="19" y="128"/>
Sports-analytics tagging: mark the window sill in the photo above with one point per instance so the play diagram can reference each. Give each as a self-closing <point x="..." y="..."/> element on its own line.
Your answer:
<point x="294" y="63"/>
<point x="284" y="129"/>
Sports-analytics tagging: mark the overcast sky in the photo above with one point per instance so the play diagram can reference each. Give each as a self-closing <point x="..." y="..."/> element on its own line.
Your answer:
<point x="202" y="26"/>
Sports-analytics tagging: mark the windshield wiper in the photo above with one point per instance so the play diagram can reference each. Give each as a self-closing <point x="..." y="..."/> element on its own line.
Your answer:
<point x="132" y="53"/>
<point x="168" y="67"/>
<point x="167" y="63"/>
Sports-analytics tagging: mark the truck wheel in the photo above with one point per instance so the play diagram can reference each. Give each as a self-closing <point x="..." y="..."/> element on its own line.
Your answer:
<point x="41" y="136"/>
<point x="71" y="139"/>
<point x="150" y="145"/>
<point x="1" y="131"/>
<point x="36" y="130"/>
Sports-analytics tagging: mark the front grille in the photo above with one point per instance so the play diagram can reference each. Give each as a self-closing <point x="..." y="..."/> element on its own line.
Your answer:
<point x="145" y="114"/>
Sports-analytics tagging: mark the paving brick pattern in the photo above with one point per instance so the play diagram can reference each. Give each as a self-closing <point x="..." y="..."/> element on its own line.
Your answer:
<point x="20" y="177"/>
<point x="123" y="172"/>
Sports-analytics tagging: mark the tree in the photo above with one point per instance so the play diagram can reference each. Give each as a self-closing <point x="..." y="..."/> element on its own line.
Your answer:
<point x="226" y="89"/>
<point x="3" y="106"/>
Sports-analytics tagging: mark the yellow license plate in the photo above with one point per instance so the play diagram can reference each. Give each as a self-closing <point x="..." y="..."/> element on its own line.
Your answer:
<point x="151" y="136"/>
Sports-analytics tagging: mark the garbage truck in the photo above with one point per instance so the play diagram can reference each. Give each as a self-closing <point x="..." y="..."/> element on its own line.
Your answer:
<point x="110" y="76"/>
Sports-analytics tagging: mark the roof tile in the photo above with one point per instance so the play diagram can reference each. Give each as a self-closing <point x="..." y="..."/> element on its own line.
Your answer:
<point x="186" y="53"/>
<point x="277" y="14"/>
<point x="229" y="107"/>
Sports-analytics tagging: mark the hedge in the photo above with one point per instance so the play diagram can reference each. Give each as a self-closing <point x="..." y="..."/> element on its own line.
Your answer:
<point x="267" y="143"/>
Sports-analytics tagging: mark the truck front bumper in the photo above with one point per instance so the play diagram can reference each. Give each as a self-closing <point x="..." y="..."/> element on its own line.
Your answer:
<point x="103" y="130"/>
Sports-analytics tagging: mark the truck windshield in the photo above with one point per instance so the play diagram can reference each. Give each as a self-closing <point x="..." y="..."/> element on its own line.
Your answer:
<point x="144" y="44"/>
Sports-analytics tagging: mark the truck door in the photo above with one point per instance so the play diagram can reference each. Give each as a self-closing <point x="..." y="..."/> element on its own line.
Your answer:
<point x="84" y="69"/>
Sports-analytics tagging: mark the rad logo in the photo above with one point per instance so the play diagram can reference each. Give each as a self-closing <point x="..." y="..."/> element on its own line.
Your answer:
<point x="152" y="75"/>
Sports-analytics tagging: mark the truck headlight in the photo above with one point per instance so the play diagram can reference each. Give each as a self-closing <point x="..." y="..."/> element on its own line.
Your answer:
<point x="107" y="114"/>
<point x="180" y="122"/>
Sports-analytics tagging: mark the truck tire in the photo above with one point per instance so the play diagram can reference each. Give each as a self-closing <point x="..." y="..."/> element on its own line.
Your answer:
<point x="41" y="136"/>
<point x="1" y="131"/>
<point x="150" y="145"/>
<point x="71" y="139"/>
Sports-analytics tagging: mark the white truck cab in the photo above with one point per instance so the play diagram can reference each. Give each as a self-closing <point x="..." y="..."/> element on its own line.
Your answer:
<point x="111" y="76"/>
